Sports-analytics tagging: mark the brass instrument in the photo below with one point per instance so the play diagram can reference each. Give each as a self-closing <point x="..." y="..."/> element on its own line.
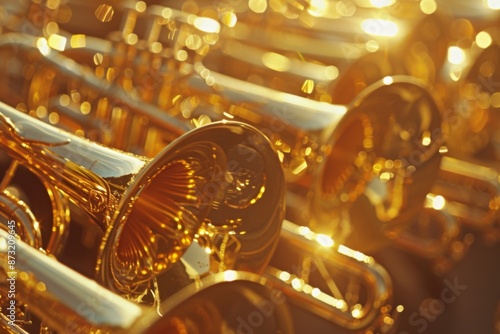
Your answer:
<point x="472" y="192"/>
<point x="339" y="56"/>
<point x="366" y="311"/>
<point x="68" y="301"/>
<point x="308" y="149"/>
<point x="119" y="191"/>
<point x="26" y="226"/>
<point x="17" y="217"/>
<point x="190" y="106"/>
<point x="263" y="53"/>
<point x="424" y="49"/>
<point x="378" y="294"/>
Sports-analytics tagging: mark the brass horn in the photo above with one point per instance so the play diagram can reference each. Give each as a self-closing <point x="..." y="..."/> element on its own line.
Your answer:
<point x="309" y="150"/>
<point x="424" y="49"/>
<point x="472" y="120"/>
<point x="70" y="302"/>
<point x="173" y="193"/>
<point x="441" y="247"/>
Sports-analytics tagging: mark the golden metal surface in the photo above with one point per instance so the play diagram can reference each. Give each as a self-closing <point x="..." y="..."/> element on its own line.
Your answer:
<point x="119" y="191"/>
<point x="278" y="65"/>
<point x="68" y="301"/>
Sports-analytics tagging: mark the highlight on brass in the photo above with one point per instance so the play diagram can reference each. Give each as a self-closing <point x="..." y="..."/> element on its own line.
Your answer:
<point x="254" y="166"/>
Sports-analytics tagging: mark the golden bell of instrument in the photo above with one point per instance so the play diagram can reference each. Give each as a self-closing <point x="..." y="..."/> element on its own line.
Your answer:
<point x="175" y="193"/>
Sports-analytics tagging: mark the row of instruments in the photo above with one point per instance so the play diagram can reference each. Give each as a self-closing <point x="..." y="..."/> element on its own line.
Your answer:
<point x="219" y="161"/>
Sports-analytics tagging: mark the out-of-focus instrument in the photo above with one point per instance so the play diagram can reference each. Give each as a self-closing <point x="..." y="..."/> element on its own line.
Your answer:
<point x="377" y="303"/>
<point x="301" y="153"/>
<point x="472" y="119"/>
<point x="138" y="69"/>
<point x="336" y="282"/>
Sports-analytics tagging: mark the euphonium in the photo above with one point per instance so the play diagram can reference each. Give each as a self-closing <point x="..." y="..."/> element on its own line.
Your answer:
<point x="151" y="210"/>
<point x="70" y="302"/>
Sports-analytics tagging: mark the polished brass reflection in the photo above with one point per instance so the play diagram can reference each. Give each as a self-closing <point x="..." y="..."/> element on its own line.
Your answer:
<point x="76" y="97"/>
<point x="472" y="192"/>
<point x="96" y="178"/>
<point x="16" y="216"/>
<point x="349" y="168"/>
<point x="262" y="51"/>
<point x="296" y="126"/>
<point x="120" y="191"/>
<point x="310" y="150"/>
<point x="473" y="119"/>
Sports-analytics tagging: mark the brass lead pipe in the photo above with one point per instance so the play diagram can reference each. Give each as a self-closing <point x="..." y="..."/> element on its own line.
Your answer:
<point x="315" y="284"/>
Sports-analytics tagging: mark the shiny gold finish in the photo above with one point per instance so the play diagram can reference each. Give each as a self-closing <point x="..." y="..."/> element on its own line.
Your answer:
<point x="16" y="216"/>
<point x="304" y="142"/>
<point x="379" y="293"/>
<point x="26" y="226"/>
<point x="335" y="282"/>
<point x="68" y="301"/>
<point x="59" y="208"/>
<point x="434" y="235"/>
<point x="395" y="184"/>
<point x="119" y="190"/>
<point x="310" y="136"/>
<point x="94" y="183"/>
<point x="430" y="51"/>
<point x="250" y="104"/>
<point x="243" y="296"/>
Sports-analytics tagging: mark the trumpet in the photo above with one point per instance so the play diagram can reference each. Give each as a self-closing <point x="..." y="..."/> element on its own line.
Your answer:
<point x="120" y="191"/>
<point x="68" y="301"/>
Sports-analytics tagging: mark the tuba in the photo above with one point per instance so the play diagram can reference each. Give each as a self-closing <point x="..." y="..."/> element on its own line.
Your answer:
<point x="179" y="194"/>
